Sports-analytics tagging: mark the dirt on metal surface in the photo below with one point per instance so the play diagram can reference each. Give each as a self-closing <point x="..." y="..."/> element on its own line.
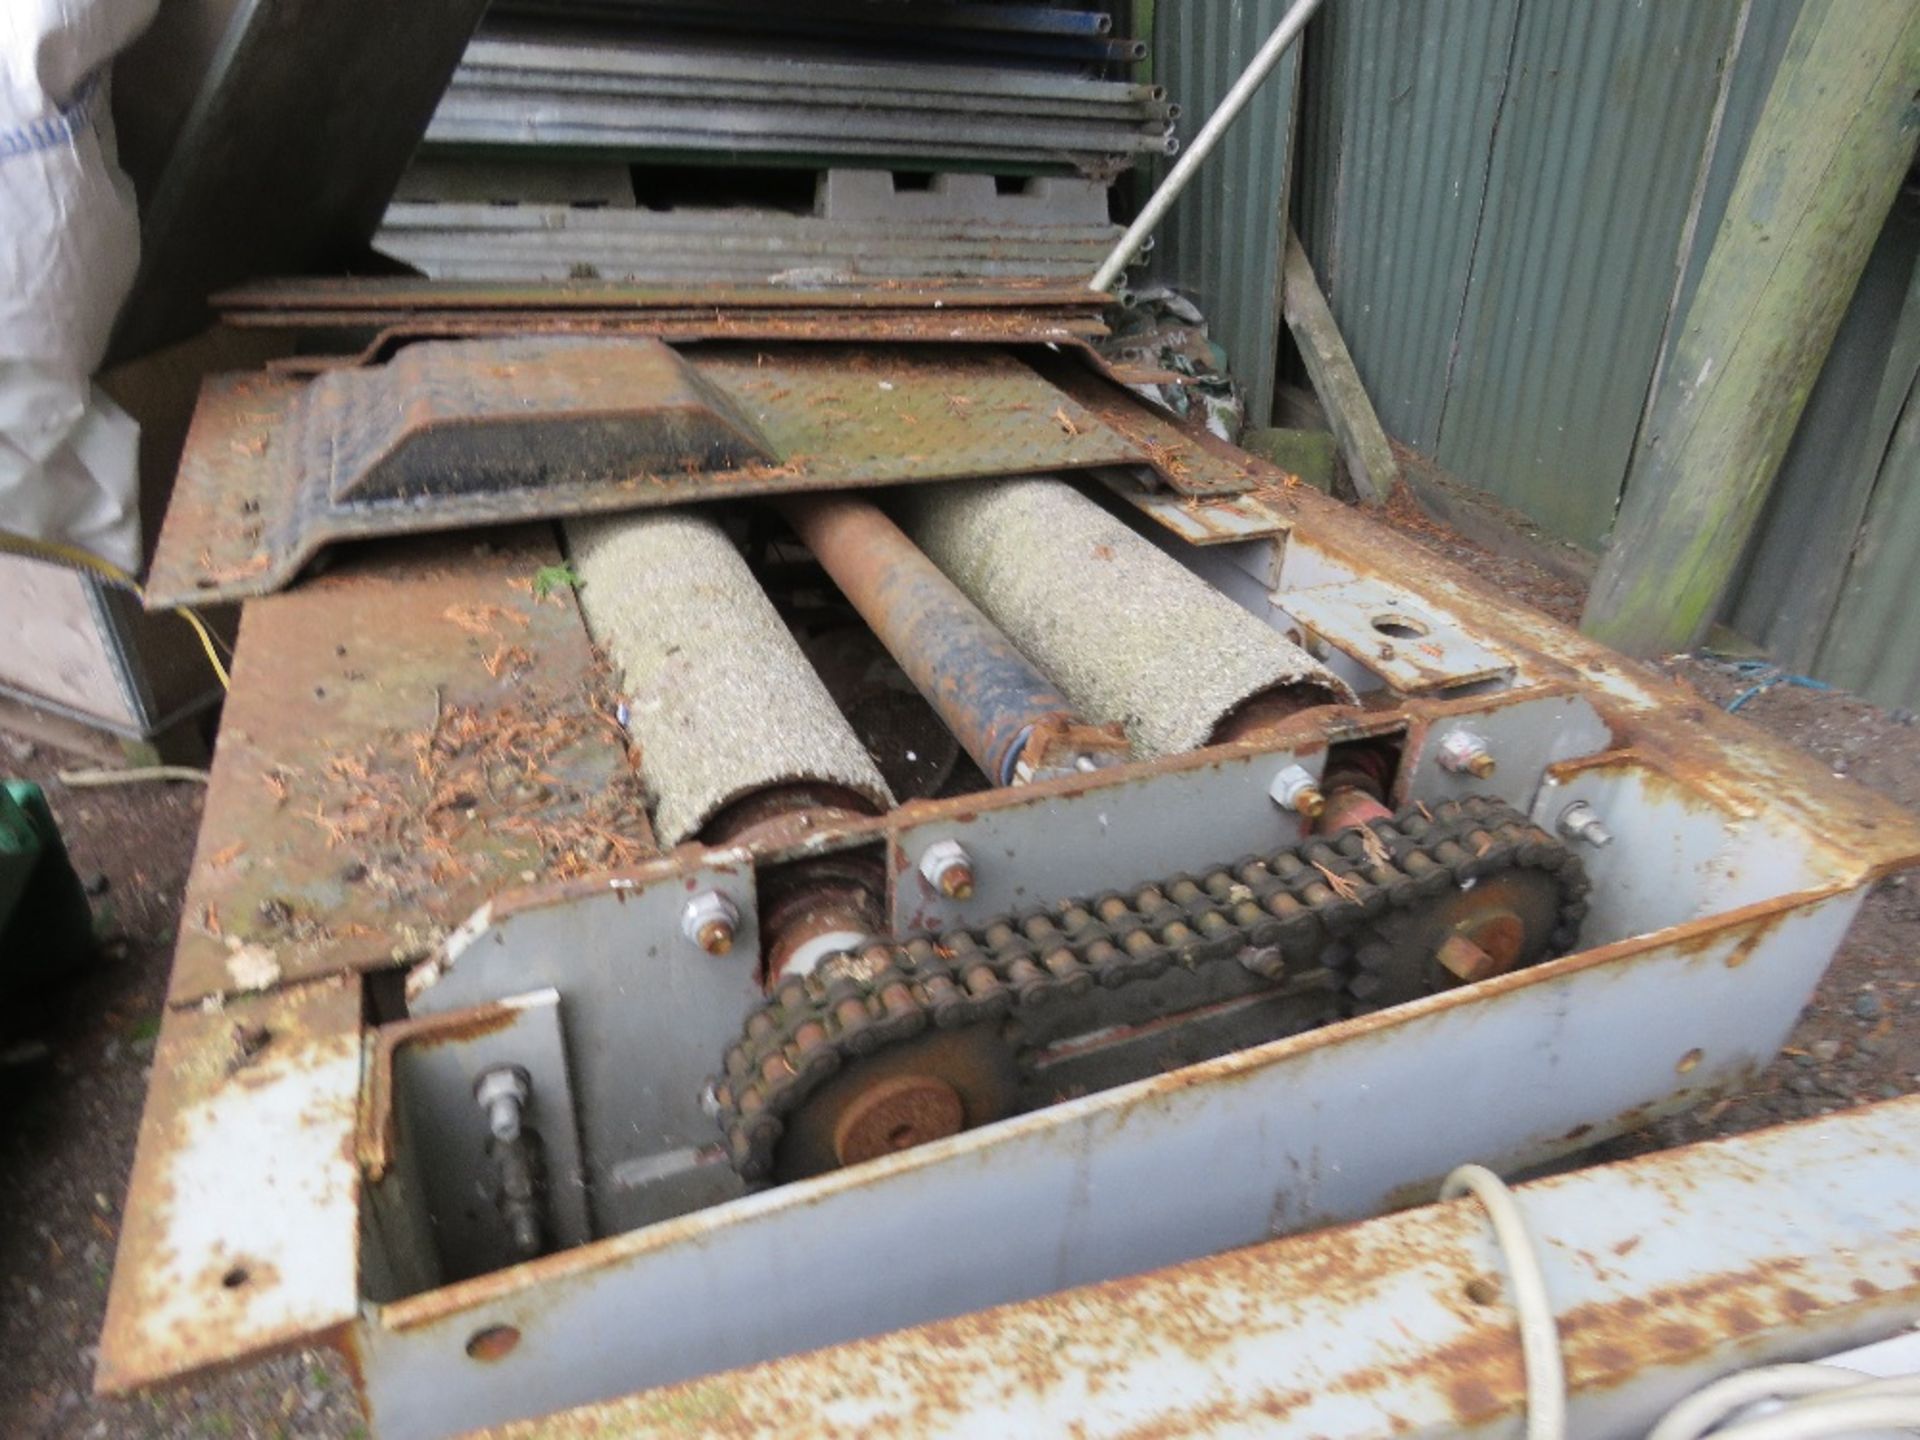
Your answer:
<point x="214" y="1261"/>
<point x="403" y="739"/>
<point x="252" y="505"/>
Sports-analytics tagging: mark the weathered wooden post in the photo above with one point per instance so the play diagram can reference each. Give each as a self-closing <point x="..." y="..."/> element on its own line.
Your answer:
<point x="1828" y="154"/>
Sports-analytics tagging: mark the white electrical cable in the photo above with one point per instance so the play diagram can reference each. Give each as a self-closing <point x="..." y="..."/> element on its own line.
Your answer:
<point x="1834" y="1414"/>
<point x="1539" y="1336"/>
<point x="1704" y="1409"/>
<point x="1821" y="1401"/>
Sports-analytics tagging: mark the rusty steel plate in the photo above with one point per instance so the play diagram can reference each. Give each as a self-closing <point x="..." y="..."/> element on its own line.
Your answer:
<point x="385" y="336"/>
<point x="1414" y="647"/>
<point x="1212" y="520"/>
<point x="224" y="1254"/>
<point x="252" y="504"/>
<point x="1184" y="454"/>
<point x="467" y="417"/>
<point x="398" y="293"/>
<point x="405" y="738"/>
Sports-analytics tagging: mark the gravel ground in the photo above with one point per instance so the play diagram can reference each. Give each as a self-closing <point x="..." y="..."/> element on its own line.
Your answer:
<point x="75" y="1064"/>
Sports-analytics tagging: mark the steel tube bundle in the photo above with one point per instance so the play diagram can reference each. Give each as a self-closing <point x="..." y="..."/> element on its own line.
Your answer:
<point x="559" y="242"/>
<point x="538" y="87"/>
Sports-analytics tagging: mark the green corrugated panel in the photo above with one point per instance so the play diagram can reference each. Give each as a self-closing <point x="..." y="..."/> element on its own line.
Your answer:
<point x="1222" y="242"/>
<point x="1763" y="40"/>
<point x="1598" y="154"/>
<point x="1397" y="125"/>
<point x="1873" y="646"/>
<point x="1794" y="576"/>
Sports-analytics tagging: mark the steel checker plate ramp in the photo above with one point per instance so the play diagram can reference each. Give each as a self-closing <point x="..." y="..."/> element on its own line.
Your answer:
<point x="1414" y="648"/>
<point x="226" y="1253"/>
<point x="250" y="508"/>
<point x="405" y="737"/>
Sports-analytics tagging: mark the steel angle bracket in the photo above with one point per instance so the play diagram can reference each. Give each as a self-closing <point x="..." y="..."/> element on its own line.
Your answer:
<point x="481" y="432"/>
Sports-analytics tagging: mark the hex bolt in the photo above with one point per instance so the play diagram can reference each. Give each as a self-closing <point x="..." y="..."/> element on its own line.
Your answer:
<point x="709" y="920"/>
<point x="1464" y="753"/>
<point x="1294" y="788"/>
<point x="503" y="1092"/>
<point x="947" y="867"/>
<point x="1578" y="822"/>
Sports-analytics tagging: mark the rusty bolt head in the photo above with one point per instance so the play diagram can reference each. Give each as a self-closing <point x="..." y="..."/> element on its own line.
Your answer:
<point x="1464" y="960"/>
<point x="1464" y="753"/>
<point x="949" y="869"/>
<point x="1295" y="789"/>
<point x="710" y="920"/>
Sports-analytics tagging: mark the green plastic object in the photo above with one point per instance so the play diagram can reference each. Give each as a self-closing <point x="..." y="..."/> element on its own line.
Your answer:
<point x="46" y="927"/>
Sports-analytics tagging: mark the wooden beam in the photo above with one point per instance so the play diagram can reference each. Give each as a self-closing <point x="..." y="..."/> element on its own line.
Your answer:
<point x="1831" y="146"/>
<point x="1363" y="444"/>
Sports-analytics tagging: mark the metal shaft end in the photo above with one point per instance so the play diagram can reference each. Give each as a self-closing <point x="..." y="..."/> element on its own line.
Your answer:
<point x="1579" y="822"/>
<point x="1295" y="789"/>
<point x="710" y="920"/>
<point x="949" y="869"/>
<point x="1463" y="753"/>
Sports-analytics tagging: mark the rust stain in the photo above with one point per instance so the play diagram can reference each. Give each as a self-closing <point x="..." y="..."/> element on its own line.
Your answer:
<point x="212" y="1297"/>
<point x="383" y="789"/>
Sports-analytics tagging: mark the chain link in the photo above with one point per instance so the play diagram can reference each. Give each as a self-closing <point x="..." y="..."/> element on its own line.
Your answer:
<point x="1271" y="914"/>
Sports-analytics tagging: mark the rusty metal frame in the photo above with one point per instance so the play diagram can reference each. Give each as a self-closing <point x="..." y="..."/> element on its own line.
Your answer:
<point x="1799" y="1242"/>
<point x="1650" y="1019"/>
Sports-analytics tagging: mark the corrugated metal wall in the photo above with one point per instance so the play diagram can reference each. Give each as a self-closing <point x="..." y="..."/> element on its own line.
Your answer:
<point x="1509" y="203"/>
<point x="1223" y="241"/>
<point x="1495" y="196"/>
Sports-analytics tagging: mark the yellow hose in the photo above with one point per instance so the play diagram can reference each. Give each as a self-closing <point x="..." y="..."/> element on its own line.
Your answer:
<point x="72" y="557"/>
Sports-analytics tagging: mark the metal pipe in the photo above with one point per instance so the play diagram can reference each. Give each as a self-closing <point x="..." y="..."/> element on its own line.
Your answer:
<point x="668" y="58"/>
<point x="988" y="693"/>
<point x="1284" y="34"/>
<point x="786" y="124"/>
<point x="471" y="77"/>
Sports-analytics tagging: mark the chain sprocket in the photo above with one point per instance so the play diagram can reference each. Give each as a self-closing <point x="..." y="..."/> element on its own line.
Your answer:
<point x="1347" y="905"/>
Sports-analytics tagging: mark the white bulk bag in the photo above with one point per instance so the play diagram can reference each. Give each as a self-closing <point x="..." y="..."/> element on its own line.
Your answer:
<point x="69" y="242"/>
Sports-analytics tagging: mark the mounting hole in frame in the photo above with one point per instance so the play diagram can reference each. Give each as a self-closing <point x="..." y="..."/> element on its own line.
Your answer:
<point x="494" y="1342"/>
<point x="1401" y="627"/>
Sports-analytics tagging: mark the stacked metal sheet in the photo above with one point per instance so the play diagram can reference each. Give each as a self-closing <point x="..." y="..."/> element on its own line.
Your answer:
<point x="802" y="99"/>
<point x="1001" y="112"/>
<point x="1061" y="35"/>
<point x="861" y="229"/>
